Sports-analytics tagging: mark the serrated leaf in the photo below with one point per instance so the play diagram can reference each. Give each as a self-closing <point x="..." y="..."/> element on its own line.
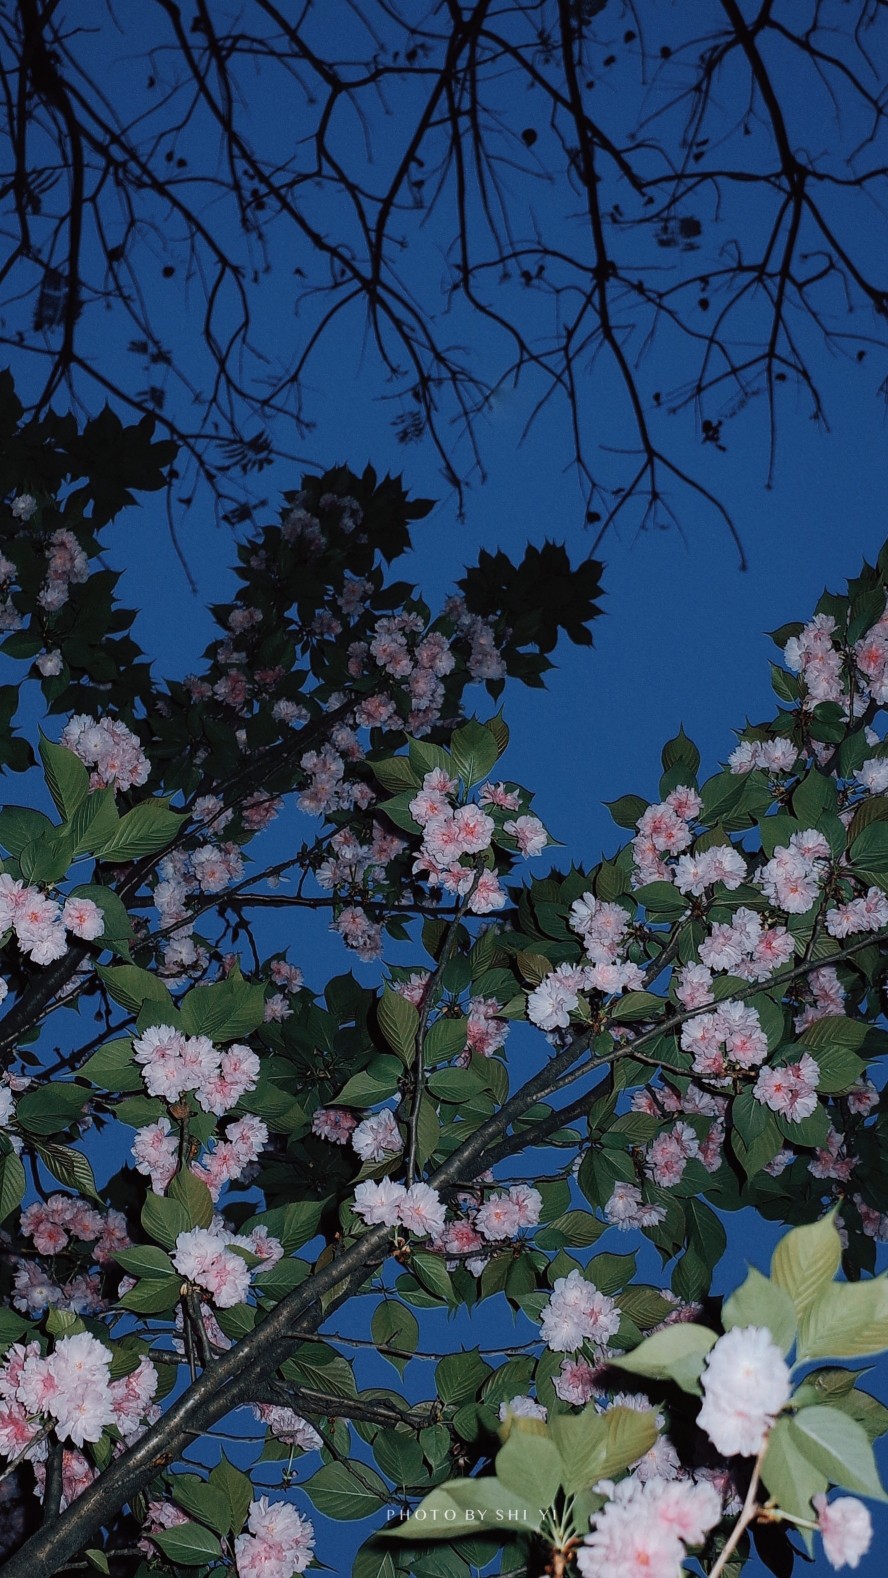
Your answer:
<point x="677" y="1354"/>
<point x="224" y="1010"/>
<point x="340" y="1494"/>
<point x="145" y="830"/>
<point x="71" y="1168"/>
<point x="163" y="1219"/>
<point x="760" y="1302"/>
<point x="399" y="1022"/>
<point x="442" y="1515"/>
<point x="66" y="777"/>
<point x="840" y="1448"/>
<point x="12" y="1184"/>
<point x="806" y="1260"/>
<point x="846" y="1321"/>
<point x="194" y="1197"/>
<point x="530" y="1465"/>
<point x="189" y="1544"/>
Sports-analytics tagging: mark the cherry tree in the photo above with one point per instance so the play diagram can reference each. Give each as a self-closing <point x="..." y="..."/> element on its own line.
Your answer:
<point x="235" y="1183"/>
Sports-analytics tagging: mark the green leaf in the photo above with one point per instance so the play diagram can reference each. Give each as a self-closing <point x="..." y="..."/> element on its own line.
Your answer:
<point x="237" y="1490"/>
<point x="203" y="1500"/>
<point x="131" y="986"/>
<point x="399" y="1455"/>
<point x="396" y="774"/>
<point x="51" y="1108"/>
<point x="145" y="830"/>
<point x="223" y="1011"/>
<point x="371" y="1084"/>
<point x="98" y="1560"/>
<point x="444" y="1040"/>
<point x="628" y="810"/>
<point x="194" y="1197"/>
<point x="681" y="752"/>
<point x="806" y="1260"/>
<point x="846" y="1321"/>
<point x="399" y="1023"/>
<point x="760" y="1302"/>
<point x="432" y="1273"/>
<point x="455" y="1509"/>
<point x="113" y="1067"/>
<point x="20" y="826"/>
<point x="12" y="1184"/>
<point x="675" y="1354"/>
<point x="94" y="821"/>
<point x="292" y="1224"/>
<point x="66" y="777"/>
<point x="530" y="1465"/>
<point x="394" y="1326"/>
<point x="189" y="1544"/>
<point x="144" y="1260"/>
<point x="459" y="1376"/>
<point x="163" y="1219"/>
<point x="788" y="1473"/>
<point x="840" y="1448"/>
<point x="339" y="1494"/>
<point x="71" y="1168"/>
<point x="474" y="751"/>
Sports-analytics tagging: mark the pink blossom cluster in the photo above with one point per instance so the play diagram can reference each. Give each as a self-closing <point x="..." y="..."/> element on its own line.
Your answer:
<point x="450" y="833"/>
<point x="67" y="565"/>
<point x="156" y="1153"/>
<point x="626" y="1209"/>
<point x="730" y="1036"/>
<point x="34" y="1290"/>
<point x="576" y="1313"/>
<point x="874" y="1223"/>
<point x="551" y="1003"/>
<point x="697" y="872"/>
<point x="505" y="1212"/>
<point x="111" y="749"/>
<point x="359" y="932"/>
<point x="790" y="1090"/>
<point x="336" y="1124"/>
<point x="812" y="655"/>
<point x="663" y="830"/>
<point x="486" y="1031"/>
<point x="522" y="1408"/>
<point x="873" y="775"/>
<point x="778" y="755"/>
<point x="419" y="1209"/>
<point x="579" y="1380"/>
<point x="353" y="862"/>
<point x="377" y="1136"/>
<point x="70" y="1391"/>
<point x="603" y="928"/>
<point x="287" y="1426"/>
<point x="792" y="877"/>
<point x="206" y="1257"/>
<point x="871" y="657"/>
<point x="668" y="1155"/>
<point x="746" y="947"/>
<point x="173" y="1064"/>
<point x="846" y="1529"/>
<point x="746" y="1383"/>
<point x="646" y="1526"/>
<point x="695" y="1102"/>
<point x="828" y="997"/>
<point x="867" y="913"/>
<point x="834" y="1159"/>
<point x="280" y="1541"/>
<point x="182" y="875"/>
<point x="52" y="1224"/>
<point x="41" y="925"/>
